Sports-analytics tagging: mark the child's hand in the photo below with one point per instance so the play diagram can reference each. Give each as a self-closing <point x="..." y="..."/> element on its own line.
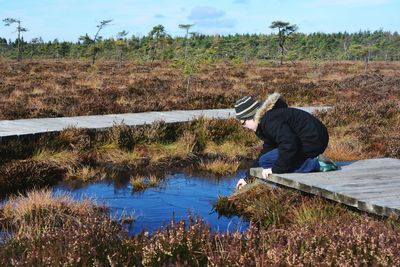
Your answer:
<point x="266" y="173"/>
<point x="240" y="184"/>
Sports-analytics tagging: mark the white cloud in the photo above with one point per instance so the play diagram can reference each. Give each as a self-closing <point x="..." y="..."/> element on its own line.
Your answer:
<point x="205" y="12"/>
<point x="208" y="19"/>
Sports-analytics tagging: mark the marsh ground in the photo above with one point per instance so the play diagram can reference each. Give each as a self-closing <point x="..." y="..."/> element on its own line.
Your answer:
<point x="67" y="88"/>
<point x="289" y="228"/>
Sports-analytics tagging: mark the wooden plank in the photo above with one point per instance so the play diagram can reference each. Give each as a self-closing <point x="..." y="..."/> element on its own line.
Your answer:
<point x="347" y="177"/>
<point x="372" y="196"/>
<point x="22" y="127"/>
<point x="350" y="173"/>
<point x="361" y="190"/>
<point x="385" y="185"/>
<point x="351" y="181"/>
<point x="338" y="197"/>
<point x="370" y="185"/>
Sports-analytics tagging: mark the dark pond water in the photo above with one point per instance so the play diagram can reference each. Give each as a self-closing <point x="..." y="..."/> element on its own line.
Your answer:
<point x="177" y="194"/>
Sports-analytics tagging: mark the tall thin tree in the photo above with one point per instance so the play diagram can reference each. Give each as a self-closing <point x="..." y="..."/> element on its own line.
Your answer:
<point x="121" y="45"/>
<point x="187" y="28"/>
<point x="96" y="37"/>
<point x="35" y="42"/>
<point x="284" y="30"/>
<point x="8" y="22"/>
<point x="157" y="37"/>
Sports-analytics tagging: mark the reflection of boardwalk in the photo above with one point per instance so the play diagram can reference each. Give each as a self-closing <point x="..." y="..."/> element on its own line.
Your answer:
<point x="371" y="185"/>
<point x="34" y="126"/>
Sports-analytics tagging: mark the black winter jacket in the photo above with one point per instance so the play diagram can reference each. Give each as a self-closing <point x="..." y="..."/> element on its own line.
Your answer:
<point x="297" y="134"/>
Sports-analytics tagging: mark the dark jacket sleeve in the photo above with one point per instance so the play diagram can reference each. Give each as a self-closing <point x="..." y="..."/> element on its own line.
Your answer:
<point x="287" y="146"/>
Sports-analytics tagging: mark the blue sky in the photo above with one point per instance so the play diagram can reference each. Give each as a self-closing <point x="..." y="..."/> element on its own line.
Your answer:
<point x="67" y="20"/>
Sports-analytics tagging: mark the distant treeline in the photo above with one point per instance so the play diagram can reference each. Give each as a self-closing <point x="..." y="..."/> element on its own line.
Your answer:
<point x="377" y="45"/>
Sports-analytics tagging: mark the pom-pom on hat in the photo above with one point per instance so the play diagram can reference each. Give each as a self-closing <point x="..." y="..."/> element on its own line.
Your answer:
<point x="246" y="107"/>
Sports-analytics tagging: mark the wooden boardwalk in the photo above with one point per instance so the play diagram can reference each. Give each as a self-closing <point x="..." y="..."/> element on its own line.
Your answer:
<point x="23" y="127"/>
<point x="371" y="185"/>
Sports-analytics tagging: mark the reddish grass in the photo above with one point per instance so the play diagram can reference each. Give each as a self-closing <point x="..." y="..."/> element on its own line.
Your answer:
<point x="68" y="88"/>
<point x="88" y="237"/>
<point x="287" y="228"/>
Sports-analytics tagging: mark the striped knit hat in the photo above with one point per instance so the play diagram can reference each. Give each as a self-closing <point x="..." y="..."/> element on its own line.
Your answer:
<point x="246" y="107"/>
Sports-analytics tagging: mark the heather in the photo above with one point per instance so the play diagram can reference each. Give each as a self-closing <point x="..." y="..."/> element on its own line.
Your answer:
<point x="287" y="227"/>
<point x="87" y="236"/>
<point x="46" y="88"/>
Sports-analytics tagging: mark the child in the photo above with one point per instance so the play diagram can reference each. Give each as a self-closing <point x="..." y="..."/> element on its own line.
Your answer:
<point x="293" y="138"/>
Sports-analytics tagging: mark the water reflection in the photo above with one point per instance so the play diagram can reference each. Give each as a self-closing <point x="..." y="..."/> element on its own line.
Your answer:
<point x="177" y="195"/>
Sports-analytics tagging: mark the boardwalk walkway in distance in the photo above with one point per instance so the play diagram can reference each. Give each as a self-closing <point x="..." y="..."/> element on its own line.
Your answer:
<point x="23" y="127"/>
<point x="371" y="185"/>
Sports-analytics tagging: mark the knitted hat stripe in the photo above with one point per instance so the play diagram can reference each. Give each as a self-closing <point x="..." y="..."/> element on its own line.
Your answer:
<point x="247" y="109"/>
<point x="242" y="102"/>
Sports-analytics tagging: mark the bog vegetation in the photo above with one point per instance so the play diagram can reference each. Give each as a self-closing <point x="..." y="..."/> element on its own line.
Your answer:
<point x="287" y="228"/>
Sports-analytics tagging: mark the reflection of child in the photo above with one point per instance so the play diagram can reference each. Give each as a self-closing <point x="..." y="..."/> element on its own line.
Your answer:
<point x="293" y="139"/>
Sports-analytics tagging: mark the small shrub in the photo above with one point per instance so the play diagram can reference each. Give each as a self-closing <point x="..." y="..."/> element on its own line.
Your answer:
<point x="199" y="129"/>
<point x="186" y="143"/>
<point x="126" y="137"/>
<point x="76" y="138"/>
<point x="393" y="147"/>
<point x="223" y="130"/>
<point x="154" y="133"/>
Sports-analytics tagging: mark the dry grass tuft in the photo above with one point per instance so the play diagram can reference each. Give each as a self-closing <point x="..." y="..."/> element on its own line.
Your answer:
<point x="186" y="143"/>
<point x="153" y="180"/>
<point x="60" y="158"/>
<point x="39" y="210"/>
<point x="220" y="167"/>
<point x="85" y="174"/>
<point x="140" y="183"/>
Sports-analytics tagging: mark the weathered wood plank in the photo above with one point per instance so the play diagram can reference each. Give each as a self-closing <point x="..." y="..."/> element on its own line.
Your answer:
<point x="364" y="189"/>
<point x="370" y="185"/>
<point x="372" y="195"/>
<point x="351" y="177"/>
<point x="22" y="127"/>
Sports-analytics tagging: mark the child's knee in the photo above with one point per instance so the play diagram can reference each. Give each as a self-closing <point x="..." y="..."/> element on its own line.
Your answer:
<point x="268" y="159"/>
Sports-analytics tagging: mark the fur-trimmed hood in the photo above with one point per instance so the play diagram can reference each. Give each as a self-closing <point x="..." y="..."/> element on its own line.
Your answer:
<point x="274" y="100"/>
